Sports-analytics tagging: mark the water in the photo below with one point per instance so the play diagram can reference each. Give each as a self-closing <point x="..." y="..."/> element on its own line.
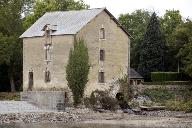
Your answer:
<point x="60" y="125"/>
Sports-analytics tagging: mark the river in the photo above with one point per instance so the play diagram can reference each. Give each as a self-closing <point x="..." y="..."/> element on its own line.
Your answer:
<point x="60" y="125"/>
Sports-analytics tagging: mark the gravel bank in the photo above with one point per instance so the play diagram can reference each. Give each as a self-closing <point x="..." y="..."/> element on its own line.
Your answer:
<point x="156" y="119"/>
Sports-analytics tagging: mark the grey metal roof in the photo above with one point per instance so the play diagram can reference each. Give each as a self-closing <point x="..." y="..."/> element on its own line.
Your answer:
<point x="67" y="22"/>
<point x="134" y="74"/>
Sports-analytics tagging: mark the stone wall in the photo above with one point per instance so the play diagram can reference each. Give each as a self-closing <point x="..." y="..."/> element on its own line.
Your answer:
<point x="50" y="100"/>
<point x="116" y="46"/>
<point x="34" y="59"/>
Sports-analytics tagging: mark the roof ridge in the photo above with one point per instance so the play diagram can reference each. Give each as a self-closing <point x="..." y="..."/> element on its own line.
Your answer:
<point x="76" y="10"/>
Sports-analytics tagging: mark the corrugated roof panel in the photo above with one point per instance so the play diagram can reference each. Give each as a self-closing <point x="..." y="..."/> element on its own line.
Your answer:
<point x="68" y="22"/>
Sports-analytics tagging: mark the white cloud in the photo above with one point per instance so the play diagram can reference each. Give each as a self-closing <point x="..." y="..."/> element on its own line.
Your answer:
<point x="117" y="7"/>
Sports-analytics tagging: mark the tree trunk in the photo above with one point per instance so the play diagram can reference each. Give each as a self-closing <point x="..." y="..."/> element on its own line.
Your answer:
<point x="12" y="83"/>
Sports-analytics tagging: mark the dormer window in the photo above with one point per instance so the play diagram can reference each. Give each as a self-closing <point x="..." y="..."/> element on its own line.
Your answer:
<point x="48" y="33"/>
<point x="49" y="29"/>
<point x="102" y="33"/>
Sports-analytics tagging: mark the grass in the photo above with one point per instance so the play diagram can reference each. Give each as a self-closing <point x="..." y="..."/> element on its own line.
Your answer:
<point x="170" y="99"/>
<point x="158" y="95"/>
<point x="10" y="96"/>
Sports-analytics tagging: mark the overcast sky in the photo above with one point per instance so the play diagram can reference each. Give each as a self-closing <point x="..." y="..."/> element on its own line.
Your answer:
<point x="117" y="7"/>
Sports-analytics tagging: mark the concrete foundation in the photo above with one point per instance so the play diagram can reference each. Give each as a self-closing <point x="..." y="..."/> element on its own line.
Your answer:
<point x="51" y="100"/>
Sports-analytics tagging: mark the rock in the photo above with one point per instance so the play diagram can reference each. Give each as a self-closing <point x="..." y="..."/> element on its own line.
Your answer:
<point x="141" y="100"/>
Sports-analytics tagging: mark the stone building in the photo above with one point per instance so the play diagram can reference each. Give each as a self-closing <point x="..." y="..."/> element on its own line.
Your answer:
<point x="135" y="78"/>
<point x="46" y="46"/>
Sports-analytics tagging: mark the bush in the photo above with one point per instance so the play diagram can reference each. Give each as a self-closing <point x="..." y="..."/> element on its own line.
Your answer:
<point x="169" y="83"/>
<point x="10" y="96"/>
<point x="165" y="76"/>
<point x="158" y="95"/>
<point x="101" y="99"/>
<point x="125" y="88"/>
<point x="188" y="106"/>
<point x="173" y="105"/>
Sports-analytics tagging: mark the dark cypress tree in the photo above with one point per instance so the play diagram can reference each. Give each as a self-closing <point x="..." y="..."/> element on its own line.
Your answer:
<point x="77" y="70"/>
<point x="153" y="49"/>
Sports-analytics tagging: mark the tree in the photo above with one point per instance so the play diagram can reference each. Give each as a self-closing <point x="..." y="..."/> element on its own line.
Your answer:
<point x="169" y="22"/>
<point x="136" y="24"/>
<point x="77" y="70"/>
<point x="10" y="45"/>
<point x="183" y="37"/>
<point x="153" y="47"/>
<point x="40" y="7"/>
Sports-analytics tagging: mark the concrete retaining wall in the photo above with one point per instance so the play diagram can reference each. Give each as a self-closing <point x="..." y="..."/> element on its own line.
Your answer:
<point x="51" y="100"/>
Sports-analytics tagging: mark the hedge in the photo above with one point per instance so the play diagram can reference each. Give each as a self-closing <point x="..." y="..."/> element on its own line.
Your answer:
<point x="165" y="76"/>
<point x="169" y="83"/>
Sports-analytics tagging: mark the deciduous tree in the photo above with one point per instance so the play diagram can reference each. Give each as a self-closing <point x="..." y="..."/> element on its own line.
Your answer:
<point x="136" y="24"/>
<point x="10" y="29"/>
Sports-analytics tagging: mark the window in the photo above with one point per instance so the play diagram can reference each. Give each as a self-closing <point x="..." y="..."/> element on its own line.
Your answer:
<point x="47" y="76"/>
<point x="102" y="33"/>
<point x="30" y="82"/>
<point x="101" y="77"/>
<point x="66" y="95"/>
<point x="102" y="55"/>
<point x="47" y="48"/>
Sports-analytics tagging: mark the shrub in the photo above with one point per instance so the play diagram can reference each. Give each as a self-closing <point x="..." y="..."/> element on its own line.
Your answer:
<point x="125" y="88"/>
<point x="86" y="102"/>
<point x="10" y="96"/>
<point x="188" y="106"/>
<point x="164" y="76"/>
<point x="101" y="99"/>
<point x="158" y="95"/>
<point x="169" y="83"/>
<point x="175" y="105"/>
<point x="77" y="70"/>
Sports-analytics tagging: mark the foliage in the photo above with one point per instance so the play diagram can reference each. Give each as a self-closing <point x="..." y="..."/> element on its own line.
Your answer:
<point x="183" y="36"/>
<point x="9" y="96"/>
<point x="125" y="88"/>
<point x="175" y="105"/>
<point x="135" y="23"/>
<point x="77" y="70"/>
<point x="184" y="104"/>
<point x="169" y="22"/>
<point x="169" y="83"/>
<point x="101" y="99"/>
<point x="158" y="95"/>
<point x="40" y="7"/>
<point x="188" y="105"/>
<point x="172" y="21"/>
<point x="153" y="49"/>
<point x="10" y="45"/>
<point x="164" y="76"/>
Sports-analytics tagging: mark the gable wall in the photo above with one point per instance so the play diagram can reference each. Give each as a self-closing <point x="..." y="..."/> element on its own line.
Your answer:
<point x="33" y="58"/>
<point x="115" y="46"/>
